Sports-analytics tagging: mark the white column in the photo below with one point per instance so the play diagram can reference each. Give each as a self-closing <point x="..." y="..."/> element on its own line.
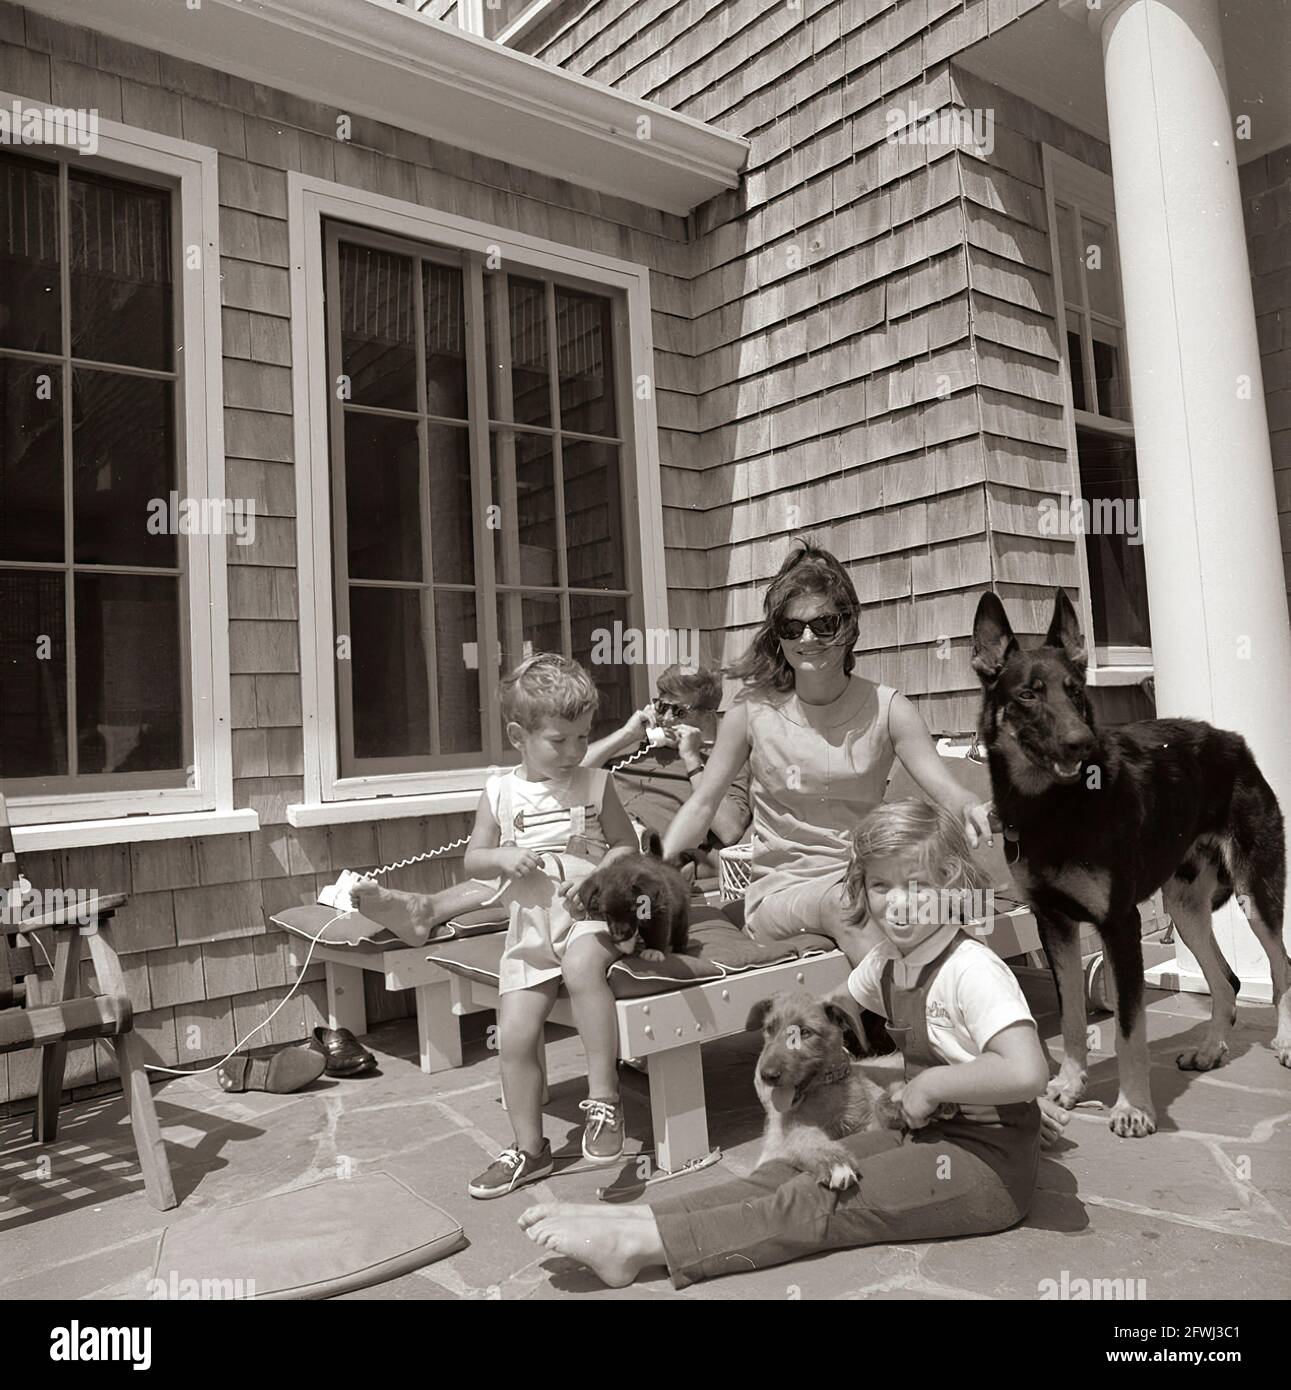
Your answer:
<point x="1221" y="642"/>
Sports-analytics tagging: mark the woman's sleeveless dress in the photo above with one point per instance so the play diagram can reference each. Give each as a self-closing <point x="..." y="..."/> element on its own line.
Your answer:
<point x="816" y="771"/>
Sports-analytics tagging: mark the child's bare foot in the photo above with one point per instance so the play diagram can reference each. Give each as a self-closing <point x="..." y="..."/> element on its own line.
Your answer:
<point x="1053" y="1120"/>
<point x="615" y="1250"/>
<point x="413" y="916"/>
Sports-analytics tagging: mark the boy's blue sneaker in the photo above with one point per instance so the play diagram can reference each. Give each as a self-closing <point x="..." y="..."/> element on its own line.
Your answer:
<point x="512" y="1168"/>
<point x="603" y="1131"/>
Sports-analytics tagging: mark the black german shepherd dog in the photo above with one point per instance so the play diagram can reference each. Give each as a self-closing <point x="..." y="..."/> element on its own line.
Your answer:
<point x="1104" y="819"/>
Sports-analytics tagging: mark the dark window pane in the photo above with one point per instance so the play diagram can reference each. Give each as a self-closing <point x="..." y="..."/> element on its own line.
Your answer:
<point x="526" y="538"/>
<point x="388" y="668"/>
<point x="123" y="467"/>
<point x="33" y="675"/>
<point x="592" y="628"/>
<point x="530" y="373"/>
<point x="457" y="669"/>
<point x="1108" y="385"/>
<point x="527" y="623"/>
<point x="451" y="536"/>
<point x="129" y="691"/>
<point x="1118" y="588"/>
<point x="1077" y="361"/>
<point x="31" y="461"/>
<point x="30" y="303"/>
<point x="378" y="327"/>
<point x="593" y="515"/>
<point x="120" y="274"/>
<point x="445" y="315"/>
<point x="584" y="332"/>
<point x="382" y="496"/>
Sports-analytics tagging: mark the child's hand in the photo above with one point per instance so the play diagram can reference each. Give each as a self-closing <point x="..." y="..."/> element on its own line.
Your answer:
<point x="650" y="954"/>
<point x="518" y="862"/>
<point x="917" y="1106"/>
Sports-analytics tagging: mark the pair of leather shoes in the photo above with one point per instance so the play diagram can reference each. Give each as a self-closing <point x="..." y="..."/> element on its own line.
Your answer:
<point x="344" y="1054"/>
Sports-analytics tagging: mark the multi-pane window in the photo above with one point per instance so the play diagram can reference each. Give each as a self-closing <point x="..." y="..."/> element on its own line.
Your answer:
<point x="477" y="459"/>
<point x="504" y="20"/>
<point x="93" y="684"/>
<point x="1094" y="324"/>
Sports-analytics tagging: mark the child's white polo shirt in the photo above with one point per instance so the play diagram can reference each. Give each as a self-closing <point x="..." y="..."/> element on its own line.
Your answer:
<point x="974" y="996"/>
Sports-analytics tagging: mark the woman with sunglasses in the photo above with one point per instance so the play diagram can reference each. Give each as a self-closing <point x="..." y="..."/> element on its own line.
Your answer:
<point x="820" y="741"/>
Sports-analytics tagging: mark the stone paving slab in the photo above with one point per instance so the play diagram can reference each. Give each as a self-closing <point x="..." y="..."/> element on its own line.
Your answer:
<point x="1203" y="1208"/>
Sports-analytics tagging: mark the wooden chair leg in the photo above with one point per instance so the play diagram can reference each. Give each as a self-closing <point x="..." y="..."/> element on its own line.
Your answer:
<point x="44" y="1124"/>
<point x="53" y="1056"/>
<point x="143" y="1121"/>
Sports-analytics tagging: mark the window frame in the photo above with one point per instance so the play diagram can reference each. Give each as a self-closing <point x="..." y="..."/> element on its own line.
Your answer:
<point x="190" y="173"/>
<point x="313" y="202"/>
<point x="1072" y="182"/>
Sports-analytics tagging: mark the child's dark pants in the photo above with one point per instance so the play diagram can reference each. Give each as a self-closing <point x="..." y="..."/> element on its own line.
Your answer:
<point x="917" y="1188"/>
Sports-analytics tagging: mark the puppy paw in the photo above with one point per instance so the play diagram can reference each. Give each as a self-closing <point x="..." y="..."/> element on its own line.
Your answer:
<point x="648" y="954"/>
<point x="1282" y="1050"/>
<point x="1066" y="1089"/>
<point x="841" y="1175"/>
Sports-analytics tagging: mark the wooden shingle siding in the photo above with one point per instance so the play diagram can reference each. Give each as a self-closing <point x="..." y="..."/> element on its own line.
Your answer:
<point x="873" y="321"/>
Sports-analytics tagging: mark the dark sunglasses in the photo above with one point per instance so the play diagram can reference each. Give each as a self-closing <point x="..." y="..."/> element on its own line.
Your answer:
<point x="667" y="707"/>
<point x="824" y="625"/>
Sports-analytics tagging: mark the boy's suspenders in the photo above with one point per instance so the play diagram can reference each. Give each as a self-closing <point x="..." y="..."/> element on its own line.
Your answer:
<point x="506" y="819"/>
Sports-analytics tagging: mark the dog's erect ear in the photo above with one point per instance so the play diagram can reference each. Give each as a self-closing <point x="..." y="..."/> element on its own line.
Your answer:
<point x="653" y="844"/>
<point x="993" y="639"/>
<point x="852" y="1040"/>
<point x="757" y="1016"/>
<point x="1064" y="631"/>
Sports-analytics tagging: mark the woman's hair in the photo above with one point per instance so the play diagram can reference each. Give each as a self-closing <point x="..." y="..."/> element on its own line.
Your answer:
<point x="930" y="833"/>
<point x="700" y="688"/>
<point x="547" y="686"/>
<point x="806" y="570"/>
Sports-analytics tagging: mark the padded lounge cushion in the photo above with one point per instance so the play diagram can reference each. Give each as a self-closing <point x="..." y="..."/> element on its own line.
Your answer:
<point x="313" y="1242"/>
<point x="716" y="949"/>
<point x="310" y="918"/>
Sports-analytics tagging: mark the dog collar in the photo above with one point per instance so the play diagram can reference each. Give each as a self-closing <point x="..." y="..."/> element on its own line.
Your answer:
<point x="837" y="1073"/>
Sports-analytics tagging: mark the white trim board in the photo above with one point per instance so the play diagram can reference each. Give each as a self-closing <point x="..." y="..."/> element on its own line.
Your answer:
<point x="382" y="60"/>
<point x="309" y="201"/>
<point x="193" y="168"/>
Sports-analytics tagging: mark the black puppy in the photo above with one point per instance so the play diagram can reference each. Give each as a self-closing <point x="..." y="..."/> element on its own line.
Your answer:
<point x="644" y="901"/>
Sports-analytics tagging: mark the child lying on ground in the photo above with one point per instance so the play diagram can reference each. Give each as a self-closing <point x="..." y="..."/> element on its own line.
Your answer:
<point x="969" y="1042"/>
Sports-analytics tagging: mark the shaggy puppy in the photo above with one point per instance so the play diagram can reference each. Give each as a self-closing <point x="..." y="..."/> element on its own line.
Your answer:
<point x="811" y="1093"/>
<point x="645" y="902"/>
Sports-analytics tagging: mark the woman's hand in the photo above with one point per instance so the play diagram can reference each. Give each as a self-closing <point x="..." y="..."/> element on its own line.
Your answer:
<point x="977" y="823"/>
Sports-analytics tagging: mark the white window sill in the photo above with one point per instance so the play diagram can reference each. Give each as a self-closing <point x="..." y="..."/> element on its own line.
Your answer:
<point x="1118" y="675"/>
<point x="120" y="830"/>
<point x="443" y="803"/>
